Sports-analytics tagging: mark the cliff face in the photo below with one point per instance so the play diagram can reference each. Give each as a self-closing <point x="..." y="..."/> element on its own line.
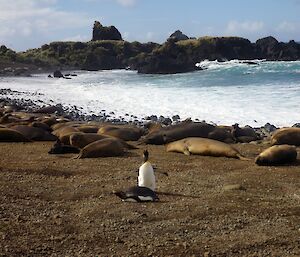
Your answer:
<point x="178" y="54"/>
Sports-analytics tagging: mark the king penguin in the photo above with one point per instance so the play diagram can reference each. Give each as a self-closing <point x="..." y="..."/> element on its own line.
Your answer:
<point x="146" y="176"/>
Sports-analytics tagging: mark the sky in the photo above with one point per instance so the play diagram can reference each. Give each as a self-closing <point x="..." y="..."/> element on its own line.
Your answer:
<point x="26" y="24"/>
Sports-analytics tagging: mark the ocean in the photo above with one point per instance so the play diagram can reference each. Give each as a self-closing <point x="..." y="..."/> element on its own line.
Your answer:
<point x="224" y="93"/>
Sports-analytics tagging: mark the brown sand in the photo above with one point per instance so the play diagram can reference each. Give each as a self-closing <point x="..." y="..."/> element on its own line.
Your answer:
<point x="59" y="206"/>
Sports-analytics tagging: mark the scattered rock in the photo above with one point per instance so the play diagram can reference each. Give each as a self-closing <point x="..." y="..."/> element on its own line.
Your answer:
<point x="57" y="74"/>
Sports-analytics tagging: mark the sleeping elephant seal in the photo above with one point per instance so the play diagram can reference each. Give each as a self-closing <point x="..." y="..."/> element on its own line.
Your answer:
<point x="81" y="140"/>
<point x="277" y="155"/>
<point x="35" y="134"/>
<point x="288" y="136"/>
<point x="204" y="147"/>
<point x="179" y="131"/>
<point x="107" y="147"/>
<point x="59" y="148"/>
<point x="11" y="135"/>
<point x="64" y="131"/>
<point x="124" y="133"/>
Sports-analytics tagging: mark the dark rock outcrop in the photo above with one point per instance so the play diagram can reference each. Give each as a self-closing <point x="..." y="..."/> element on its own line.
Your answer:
<point x="101" y="32"/>
<point x="57" y="74"/>
<point x="178" y="35"/>
<point x="269" y="48"/>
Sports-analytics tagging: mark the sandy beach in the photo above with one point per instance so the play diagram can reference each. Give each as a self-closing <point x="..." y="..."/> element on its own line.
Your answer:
<point x="59" y="206"/>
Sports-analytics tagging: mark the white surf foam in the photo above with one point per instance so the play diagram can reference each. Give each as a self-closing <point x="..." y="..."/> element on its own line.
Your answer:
<point x="220" y="97"/>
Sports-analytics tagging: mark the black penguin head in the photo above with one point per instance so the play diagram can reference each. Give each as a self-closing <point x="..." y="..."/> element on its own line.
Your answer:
<point x="146" y="155"/>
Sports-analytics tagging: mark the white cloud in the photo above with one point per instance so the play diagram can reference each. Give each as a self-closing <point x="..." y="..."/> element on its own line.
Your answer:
<point x="286" y="26"/>
<point x="30" y="20"/>
<point x="127" y="2"/>
<point x="235" y="27"/>
<point x="76" y="38"/>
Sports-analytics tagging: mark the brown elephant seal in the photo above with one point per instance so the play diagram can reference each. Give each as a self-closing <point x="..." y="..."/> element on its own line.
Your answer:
<point x="88" y="129"/>
<point x="41" y="125"/>
<point x="124" y="133"/>
<point x="11" y="135"/>
<point x="59" y="148"/>
<point x="277" y="155"/>
<point x="107" y="147"/>
<point x="80" y="139"/>
<point x="244" y="135"/>
<point x="288" y="136"/>
<point x="64" y="131"/>
<point x="35" y="134"/>
<point x="177" y="132"/>
<point x="222" y="134"/>
<point x="153" y="127"/>
<point x="204" y="147"/>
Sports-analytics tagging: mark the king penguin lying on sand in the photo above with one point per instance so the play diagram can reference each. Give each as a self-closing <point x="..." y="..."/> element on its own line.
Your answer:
<point x="144" y="192"/>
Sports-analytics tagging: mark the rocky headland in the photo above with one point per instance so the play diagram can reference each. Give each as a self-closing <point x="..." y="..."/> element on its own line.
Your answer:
<point x="107" y="50"/>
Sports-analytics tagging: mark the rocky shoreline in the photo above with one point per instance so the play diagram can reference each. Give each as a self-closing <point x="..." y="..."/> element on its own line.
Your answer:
<point x="76" y="113"/>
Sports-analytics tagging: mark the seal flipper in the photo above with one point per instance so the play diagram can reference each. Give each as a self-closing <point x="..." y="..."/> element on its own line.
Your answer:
<point x="186" y="151"/>
<point x="242" y="158"/>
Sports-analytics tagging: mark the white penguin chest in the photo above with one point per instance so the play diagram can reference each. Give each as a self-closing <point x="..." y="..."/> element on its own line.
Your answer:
<point x="146" y="176"/>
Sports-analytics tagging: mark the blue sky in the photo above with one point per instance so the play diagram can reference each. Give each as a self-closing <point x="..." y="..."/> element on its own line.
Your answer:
<point x="30" y="23"/>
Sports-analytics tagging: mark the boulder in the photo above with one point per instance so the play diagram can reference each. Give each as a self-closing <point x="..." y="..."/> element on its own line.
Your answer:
<point x="57" y="74"/>
<point x="101" y="32"/>
<point x="178" y="35"/>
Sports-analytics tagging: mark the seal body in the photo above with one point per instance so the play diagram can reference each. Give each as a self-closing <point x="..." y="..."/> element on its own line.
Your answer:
<point x="146" y="176"/>
<point x="137" y="194"/>
<point x="289" y="136"/>
<point x="205" y="147"/>
<point x="81" y="140"/>
<point x="33" y="133"/>
<point x="11" y="135"/>
<point x="124" y="133"/>
<point x="277" y="155"/>
<point x="107" y="147"/>
<point x="59" y="148"/>
<point x="179" y="131"/>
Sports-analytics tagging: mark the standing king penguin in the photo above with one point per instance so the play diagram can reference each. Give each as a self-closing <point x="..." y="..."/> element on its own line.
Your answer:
<point x="146" y="176"/>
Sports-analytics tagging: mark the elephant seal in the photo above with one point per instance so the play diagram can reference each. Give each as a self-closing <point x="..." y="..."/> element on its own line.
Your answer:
<point x="88" y="129"/>
<point x="107" y="147"/>
<point x="64" y="131"/>
<point x="137" y="194"/>
<point x="222" y="134"/>
<point x="277" y="155"/>
<point x="35" y="134"/>
<point x="146" y="176"/>
<point x="80" y="139"/>
<point x="243" y="135"/>
<point x="59" y="148"/>
<point x="288" y="136"/>
<point x="11" y="135"/>
<point x="177" y="132"/>
<point x="41" y="125"/>
<point x="124" y="133"/>
<point x="204" y="147"/>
